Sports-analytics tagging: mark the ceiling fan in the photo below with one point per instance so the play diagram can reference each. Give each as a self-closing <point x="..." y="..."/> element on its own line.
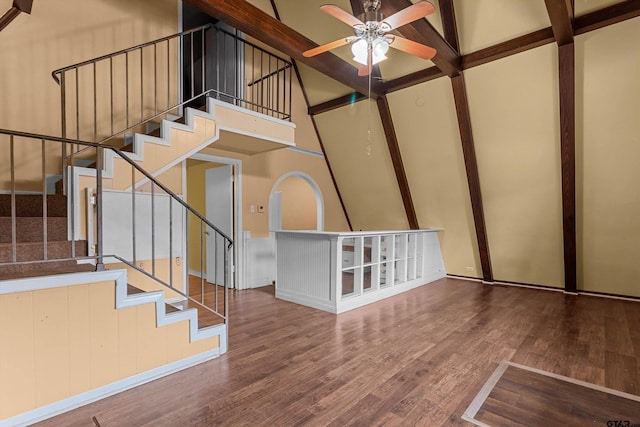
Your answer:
<point x="372" y="39"/>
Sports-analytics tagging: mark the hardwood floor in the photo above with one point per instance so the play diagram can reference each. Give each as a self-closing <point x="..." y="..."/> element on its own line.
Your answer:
<point x="524" y="398"/>
<point x="415" y="359"/>
<point x="211" y="295"/>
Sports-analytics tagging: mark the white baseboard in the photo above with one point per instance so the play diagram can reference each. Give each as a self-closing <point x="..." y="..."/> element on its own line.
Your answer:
<point x="87" y="397"/>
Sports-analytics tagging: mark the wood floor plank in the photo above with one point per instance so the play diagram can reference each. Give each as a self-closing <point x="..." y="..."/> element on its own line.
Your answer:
<point x="415" y="359"/>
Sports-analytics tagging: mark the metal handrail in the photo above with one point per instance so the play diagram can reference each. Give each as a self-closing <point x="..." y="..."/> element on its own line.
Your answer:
<point x="99" y="257"/>
<point x="129" y="49"/>
<point x="144" y="92"/>
<point x="124" y="157"/>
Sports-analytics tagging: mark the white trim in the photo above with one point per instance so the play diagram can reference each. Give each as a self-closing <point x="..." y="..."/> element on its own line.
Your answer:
<point x="119" y="276"/>
<point x="478" y="401"/>
<point x="595" y="294"/>
<point x="485" y="391"/>
<point x="99" y="393"/>
<point x="121" y="300"/>
<point x="306" y="151"/>
<point x="237" y="239"/>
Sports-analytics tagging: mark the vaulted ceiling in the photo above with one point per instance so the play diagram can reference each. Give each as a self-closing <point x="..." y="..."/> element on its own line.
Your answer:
<point x="453" y="142"/>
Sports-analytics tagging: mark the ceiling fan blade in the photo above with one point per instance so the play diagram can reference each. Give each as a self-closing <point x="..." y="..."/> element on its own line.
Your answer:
<point x="407" y="15"/>
<point x="413" y="48"/>
<point x="326" y="47"/>
<point x="341" y="14"/>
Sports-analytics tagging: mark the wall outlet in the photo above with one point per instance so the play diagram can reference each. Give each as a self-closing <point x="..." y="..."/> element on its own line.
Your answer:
<point x="252" y="209"/>
<point x="470" y="269"/>
<point x="260" y="209"/>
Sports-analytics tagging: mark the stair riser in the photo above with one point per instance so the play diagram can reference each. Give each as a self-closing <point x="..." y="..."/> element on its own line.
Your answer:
<point x="34" y="251"/>
<point x="29" y="229"/>
<point x="30" y="205"/>
<point x="15" y="271"/>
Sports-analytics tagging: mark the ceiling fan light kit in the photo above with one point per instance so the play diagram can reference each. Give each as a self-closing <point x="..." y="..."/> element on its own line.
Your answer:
<point x="371" y="42"/>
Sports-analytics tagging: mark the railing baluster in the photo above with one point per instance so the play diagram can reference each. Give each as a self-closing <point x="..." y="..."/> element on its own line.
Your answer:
<point x="191" y="67"/>
<point x="202" y="266"/>
<point x="141" y="85"/>
<point x="77" y="107"/>
<point x="153" y="228"/>
<point x="168" y="74"/>
<point x="203" y="44"/>
<point x="71" y="209"/>
<point x="99" y="232"/>
<point x="170" y="242"/>
<point x="155" y="79"/>
<point x="95" y="105"/>
<point x="63" y="129"/>
<point x="126" y="87"/>
<point x="44" y="201"/>
<point x="111" y="90"/>
<point x="133" y="212"/>
<point x="14" y="234"/>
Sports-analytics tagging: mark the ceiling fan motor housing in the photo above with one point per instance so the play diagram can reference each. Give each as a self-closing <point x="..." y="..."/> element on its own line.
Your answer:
<point x="371" y="16"/>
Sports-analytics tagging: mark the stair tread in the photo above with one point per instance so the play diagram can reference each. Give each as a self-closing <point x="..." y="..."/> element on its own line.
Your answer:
<point x="34" y="251"/>
<point x="19" y="271"/>
<point x="132" y="290"/>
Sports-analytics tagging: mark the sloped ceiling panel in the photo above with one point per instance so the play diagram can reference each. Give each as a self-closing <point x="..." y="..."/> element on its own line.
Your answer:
<point x="365" y="177"/>
<point x="608" y="159"/>
<point x="483" y="23"/>
<point x="320" y="88"/>
<point x="426" y="125"/>
<point x="310" y="21"/>
<point x="585" y="6"/>
<point x="514" y="113"/>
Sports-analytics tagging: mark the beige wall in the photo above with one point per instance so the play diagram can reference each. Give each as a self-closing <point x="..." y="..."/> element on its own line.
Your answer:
<point x="515" y="117"/>
<point x="57" y="343"/>
<point x="607" y="155"/>
<point x="427" y="130"/>
<point x="64" y="32"/>
<point x="298" y="204"/>
<point x="357" y="149"/>
<point x="59" y="33"/>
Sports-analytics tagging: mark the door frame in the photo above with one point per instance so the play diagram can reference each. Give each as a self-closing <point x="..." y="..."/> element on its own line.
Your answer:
<point x="238" y="247"/>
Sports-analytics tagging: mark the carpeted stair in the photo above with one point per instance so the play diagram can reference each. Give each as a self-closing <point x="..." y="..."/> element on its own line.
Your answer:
<point x="30" y="255"/>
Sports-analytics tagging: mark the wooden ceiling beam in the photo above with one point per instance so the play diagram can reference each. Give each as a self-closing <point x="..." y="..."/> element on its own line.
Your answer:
<point x="412" y="79"/>
<point x="341" y="101"/>
<point x="252" y="21"/>
<point x="315" y="128"/>
<point x="591" y="21"/>
<point x="18" y="7"/>
<point x="449" y="23"/>
<point x="447" y="59"/>
<point x="508" y="48"/>
<point x="560" y="14"/>
<point x="609" y="15"/>
<point x="463" y="114"/>
<point x="566" y="72"/>
<point x="396" y="159"/>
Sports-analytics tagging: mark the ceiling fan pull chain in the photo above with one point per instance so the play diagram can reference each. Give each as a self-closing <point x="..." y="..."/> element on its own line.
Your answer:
<point x="370" y="120"/>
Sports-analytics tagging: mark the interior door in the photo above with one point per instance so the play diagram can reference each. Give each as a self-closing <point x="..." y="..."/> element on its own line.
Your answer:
<point x="219" y="211"/>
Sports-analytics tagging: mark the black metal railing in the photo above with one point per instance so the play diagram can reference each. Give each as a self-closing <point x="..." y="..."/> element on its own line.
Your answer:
<point x="145" y="226"/>
<point x="113" y="94"/>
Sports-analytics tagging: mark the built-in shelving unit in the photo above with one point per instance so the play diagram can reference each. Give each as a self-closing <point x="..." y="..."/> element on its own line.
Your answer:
<point x="337" y="272"/>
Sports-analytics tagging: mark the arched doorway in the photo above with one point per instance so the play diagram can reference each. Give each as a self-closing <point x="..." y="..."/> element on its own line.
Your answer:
<point x="296" y="203"/>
